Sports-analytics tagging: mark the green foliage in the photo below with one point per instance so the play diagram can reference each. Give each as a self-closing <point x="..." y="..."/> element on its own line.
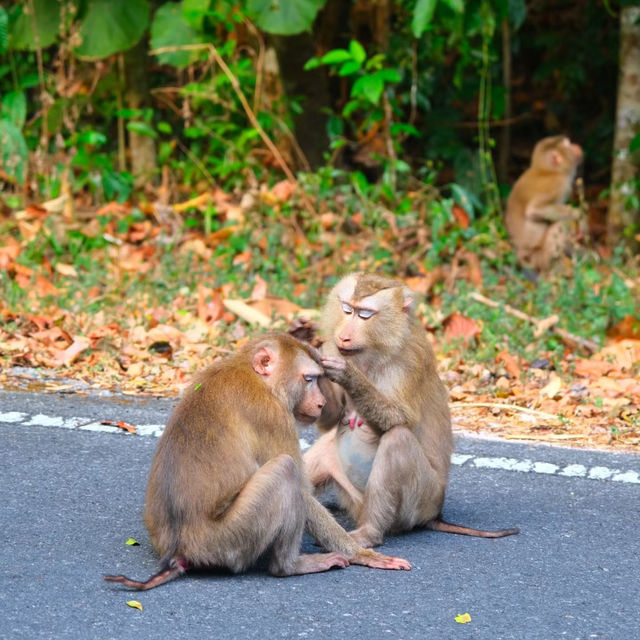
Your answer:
<point x="284" y="17"/>
<point x="37" y="31"/>
<point x="170" y="28"/>
<point x="110" y="26"/>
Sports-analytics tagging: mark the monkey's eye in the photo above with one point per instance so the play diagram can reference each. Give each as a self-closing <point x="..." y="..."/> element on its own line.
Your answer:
<point x="310" y="378"/>
<point x="365" y="314"/>
<point x="348" y="309"/>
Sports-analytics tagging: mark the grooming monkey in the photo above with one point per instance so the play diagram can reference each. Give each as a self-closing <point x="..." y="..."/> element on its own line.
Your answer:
<point x="388" y="443"/>
<point x="537" y="218"/>
<point x="227" y="480"/>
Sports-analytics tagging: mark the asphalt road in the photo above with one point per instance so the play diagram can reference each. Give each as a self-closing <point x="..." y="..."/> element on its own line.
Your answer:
<point x="70" y="498"/>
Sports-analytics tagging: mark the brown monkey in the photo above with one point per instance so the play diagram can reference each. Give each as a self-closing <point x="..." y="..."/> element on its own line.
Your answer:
<point x="389" y="446"/>
<point x="537" y="217"/>
<point x="227" y="481"/>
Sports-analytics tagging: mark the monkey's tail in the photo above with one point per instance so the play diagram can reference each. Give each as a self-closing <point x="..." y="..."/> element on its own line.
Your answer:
<point x="174" y="568"/>
<point x="438" y="524"/>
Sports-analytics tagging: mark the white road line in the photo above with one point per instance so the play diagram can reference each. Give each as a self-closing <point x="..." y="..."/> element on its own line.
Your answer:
<point x="459" y="459"/>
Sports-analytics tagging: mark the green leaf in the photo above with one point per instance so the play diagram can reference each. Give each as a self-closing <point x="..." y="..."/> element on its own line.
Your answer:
<point x="422" y="15"/>
<point x="312" y="63"/>
<point x="14" y="154"/>
<point x="336" y="56"/>
<point x="369" y="87"/>
<point x="164" y="127"/>
<point x="349" y="68"/>
<point x="357" y="51"/>
<point x="132" y="542"/>
<point x="14" y="108"/>
<point x="142" y="128"/>
<point x="170" y="29"/>
<point x="634" y="145"/>
<point x="389" y="75"/>
<point x="284" y="17"/>
<point x="457" y="6"/>
<point x="4" y="30"/>
<point x="110" y="26"/>
<point x="47" y="24"/>
<point x="517" y="13"/>
<point x="194" y="11"/>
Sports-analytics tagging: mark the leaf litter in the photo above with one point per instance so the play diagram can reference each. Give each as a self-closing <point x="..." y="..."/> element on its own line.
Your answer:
<point x="116" y="317"/>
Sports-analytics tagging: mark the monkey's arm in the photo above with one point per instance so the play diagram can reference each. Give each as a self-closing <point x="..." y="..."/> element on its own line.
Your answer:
<point x="552" y="213"/>
<point x="330" y="535"/>
<point x="377" y="410"/>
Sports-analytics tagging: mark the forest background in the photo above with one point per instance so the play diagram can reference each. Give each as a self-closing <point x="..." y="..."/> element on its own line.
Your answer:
<point x="176" y="175"/>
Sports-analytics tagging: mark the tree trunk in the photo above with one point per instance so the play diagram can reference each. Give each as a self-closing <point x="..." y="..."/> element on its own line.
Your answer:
<point x="310" y="125"/>
<point x="137" y="96"/>
<point x="627" y="125"/>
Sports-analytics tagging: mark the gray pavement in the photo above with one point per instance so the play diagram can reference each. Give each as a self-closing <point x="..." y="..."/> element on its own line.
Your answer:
<point x="71" y="498"/>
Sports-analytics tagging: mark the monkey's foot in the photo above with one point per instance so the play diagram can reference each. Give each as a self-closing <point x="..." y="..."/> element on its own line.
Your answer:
<point x="317" y="562"/>
<point x="366" y="536"/>
<point x="375" y="560"/>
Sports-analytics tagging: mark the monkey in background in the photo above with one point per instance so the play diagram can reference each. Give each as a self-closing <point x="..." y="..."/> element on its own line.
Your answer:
<point x="537" y="218"/>
<point x="388" y="442"/>
<point x="227" y="481"/>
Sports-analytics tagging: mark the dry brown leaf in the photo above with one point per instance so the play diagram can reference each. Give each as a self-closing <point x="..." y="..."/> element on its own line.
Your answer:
<point x="66" y="269"/>
<point x="553" y="387"/>
<point x="70" y="354"/>
<point x="510" y="364"/>
<point x="458" y="326"/>
<point x="244" y="311"/>
<point x="282" y="190"/>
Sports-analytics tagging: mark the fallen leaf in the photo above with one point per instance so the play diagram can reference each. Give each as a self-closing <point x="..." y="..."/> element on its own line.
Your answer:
<point x="463" y="618"/>
<point x="134" y="604"/>
<point x="282" y="190"/>
<point x="259" y="291"/>
<point x="67" y="356"/>
<point x="125" y="426"/>
<point x="458" y="326"/>
<point x="460" y="216"/>
<point x="510" y="363"/>
<point x="244" y="311"/>
<point x="628" y="327"/>
<point x="132" y="542"/>
<point x="66" y="269"/>
<point x="552" y="388"/>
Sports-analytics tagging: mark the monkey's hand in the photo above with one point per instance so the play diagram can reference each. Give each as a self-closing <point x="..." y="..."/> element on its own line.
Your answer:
<point x="375" y="560"/>
<point x="305" y="330"/>
<point x="335" y="368"/>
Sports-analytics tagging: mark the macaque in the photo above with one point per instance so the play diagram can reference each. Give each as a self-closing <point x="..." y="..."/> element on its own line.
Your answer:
<point x="227" y="481"/>
<point x="537" y="218"/>
<point x="388" y="442"/>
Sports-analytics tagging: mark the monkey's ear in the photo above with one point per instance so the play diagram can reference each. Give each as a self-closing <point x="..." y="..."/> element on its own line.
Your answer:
<point x="264" y="361"/>
<point x="407" y="301"/>
<point x="555" y="159"/>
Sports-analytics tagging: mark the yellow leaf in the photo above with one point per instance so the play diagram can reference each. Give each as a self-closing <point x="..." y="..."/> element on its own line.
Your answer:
<point x="134" y="604"/>
<point x="463" y="618"/>
<point x="132" y="543"/>
<point x="552" y="388"/>
<point x="66" y="270"/>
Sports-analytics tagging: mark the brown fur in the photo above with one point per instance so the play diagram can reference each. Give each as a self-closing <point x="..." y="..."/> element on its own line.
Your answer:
<point x="227" y="481"/>
<point x="537" y="219"/>
<point x="391" y="471"/>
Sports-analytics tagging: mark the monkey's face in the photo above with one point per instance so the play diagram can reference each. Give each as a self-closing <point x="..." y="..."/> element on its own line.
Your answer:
<point x="304" y="390"/>
<point x="363" y="322"/>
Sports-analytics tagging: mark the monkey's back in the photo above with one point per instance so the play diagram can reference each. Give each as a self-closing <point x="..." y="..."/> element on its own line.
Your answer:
<point x="209" y="450"/>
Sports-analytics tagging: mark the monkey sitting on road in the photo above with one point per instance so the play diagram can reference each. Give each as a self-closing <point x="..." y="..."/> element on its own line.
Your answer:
<point x="227" y="481"/>
<point x="389" y="442"/>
